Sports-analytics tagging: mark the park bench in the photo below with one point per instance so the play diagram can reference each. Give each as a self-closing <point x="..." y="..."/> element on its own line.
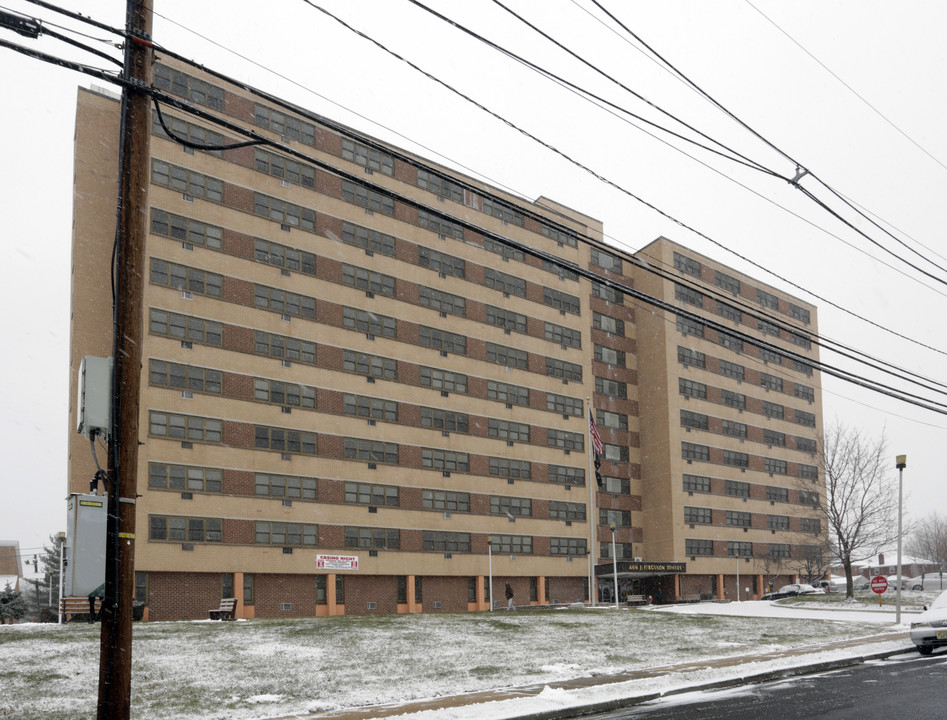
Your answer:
<point x="71" y="607"/>
<point x="226" y="611"/>
<point x="693" y="597"/>
<point x="638" y="600"/>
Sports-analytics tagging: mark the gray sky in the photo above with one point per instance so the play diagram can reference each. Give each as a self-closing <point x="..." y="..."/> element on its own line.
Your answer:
<point x="890" y="160"/>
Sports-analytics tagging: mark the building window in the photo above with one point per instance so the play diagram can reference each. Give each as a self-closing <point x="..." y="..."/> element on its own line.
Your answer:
<point x="185" y="278"/>
<point x="617" y="486"/>
<point x="369" y="323"/>
<point x="508" y="430"/>
<point x="779" y="550"/>
<point x="280" y="393"/>
<point x="732" y="399"/>
<point x="727" y="282"/>
<point x="813" y="525"/>
<point x="805" y="418"/>
<point x="616" y="453"/>
<point x="502" y="249"/>
<point x="777" y="522"/>
<point x="184" y="377"/>
<point x="777" y="494"/>
<point x="738" y="519"/>
<point x="508" y="393"/>
<point x="368" y="239"/>
<point x="567" y="546"/>
<point x="608" y="324"/>
<point x="284" y="125"/>
<point x="808" y="472"/>
<point x="282" y="256"/>
<point x="767" y="300"/>
<point x="808" y="498"/>
<point x="284" y="168"/>
<point x="729" y="312"/>
<point x="368" y="494"/>
<point x="696" y="483"/>
<point x="774" y="437"/>
<point x="607" y="293"/>
<point x="565" y="370"/>
<point x="739" y="549"/>
<point x="505" y="283"/>
<point x="371" y="365"/>
<point x="688" y="295"/>
<point x="370" y="407"/>
<point x="736" y="459"/>
<point x="321" y="590"/>
<point x="609" y="356"/>
<point x="372" y="538"/>
<point x="446" y="541"/>
<point x="689" y="326"/>
<point x="190" y="88"/>
<point x="734" y="429"/>
<point x="694" y="547"/>
<point x="185" y="427"/>
<point x="513" y="544"/>
<point x="445" y="460"/>
<point x="278" y="533"/>
<point x="606" y="261"/>
<point x="440" y="186"/>
<point x="511" y="469"/>
<point x="442" y="340"/>
<point x="285" y="303"/>
<point x="443" y="380"/>
<point x="800" y="340"/>
<point x="561" y="301"/>
<point x="698" y="515"/>
<point x="686" y="265"/>
<point x="141" y="587"/>
<point x="506" y="319"/>
<point x="805" y="444"/>
<point x="730" y="341"/>
<point x="445" y="500"/>
<point x="565" y="440"/>
<point x="499" y="209"/>
<point x="692" y="388"/>
<point x="185" y="529"/>
<point x="284" y="213"/>
<point x="283" y="440"/>
<point x="442" y="262"/>
<point x="695" y="420"/>
<point x="772" y="410"/>
<point x="564" y="405"/>
<point x="799" y="313"/>
<point x="612" y="388"/>
<point x="185" y="477"/>
<point x="692" y="451"/>
<point x="803" y="392"/>
<point x="185" y="328"/>
<point x="771" y="382"/>
<point x="732" y="370"/>
<point x="372" y="451"/>
<point x="615" y="421"/>
<point x="371" y="281"/>
<point x="767" y="328"/>
<point x="285" y="486"/>
<point x="446" y="420"/>
<point x="802" y="367"/>
<point x="736" y="488"/>
<point x="440" y="225"/>
<point x="511" y="357"/>
<point x="561" y="335"/>
<point x="691" y="358"/>
<point x="185" y="229"/>
<point x="503" y="505"/>
<point x="248" y="589"/>
<point x="368" y="157"/>
<point x="563" y="237"/>
<point x="768" y="356"/>
<point x="284" y="347"/>
<point x="368" y="199"/>
<point x="564" y="475"/>
<point x="566" y="511"/>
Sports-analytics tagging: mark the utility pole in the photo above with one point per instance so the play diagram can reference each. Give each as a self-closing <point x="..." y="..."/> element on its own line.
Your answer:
<point x="115" y="658"/>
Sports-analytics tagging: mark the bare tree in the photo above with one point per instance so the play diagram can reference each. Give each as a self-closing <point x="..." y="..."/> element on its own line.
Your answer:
<point x="812" y="562"/>
<point x="928" y="540"/>
<point x="861" y="500"/>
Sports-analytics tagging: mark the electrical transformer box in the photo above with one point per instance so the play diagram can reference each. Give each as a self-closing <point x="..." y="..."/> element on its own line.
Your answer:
<point x="84" y="556"/>
<point x="95" y="396"/>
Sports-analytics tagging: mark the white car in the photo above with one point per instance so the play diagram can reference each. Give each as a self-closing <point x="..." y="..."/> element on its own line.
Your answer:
<point x="930" y="628"/>
<point x="929" y="581"/>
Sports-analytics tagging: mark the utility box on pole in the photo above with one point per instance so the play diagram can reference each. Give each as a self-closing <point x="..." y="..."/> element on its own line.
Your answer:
<point x="86" y="518"/>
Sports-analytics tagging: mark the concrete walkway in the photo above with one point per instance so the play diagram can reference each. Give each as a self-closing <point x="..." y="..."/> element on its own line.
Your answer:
<point x="475" y="698"/>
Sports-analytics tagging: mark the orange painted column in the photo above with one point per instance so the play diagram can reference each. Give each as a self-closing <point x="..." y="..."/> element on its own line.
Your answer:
<point x="720" y="593"/>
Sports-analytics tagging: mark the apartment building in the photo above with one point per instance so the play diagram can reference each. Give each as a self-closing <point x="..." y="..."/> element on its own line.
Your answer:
<point x="367" y="379"/>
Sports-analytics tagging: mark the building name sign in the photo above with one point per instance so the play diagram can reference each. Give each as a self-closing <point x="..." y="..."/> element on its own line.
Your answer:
<point x="642" y="567"/>
<point x="337" y="562"/>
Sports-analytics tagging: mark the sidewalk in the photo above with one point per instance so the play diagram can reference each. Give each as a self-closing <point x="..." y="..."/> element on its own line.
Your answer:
<point x="754" y="665"/>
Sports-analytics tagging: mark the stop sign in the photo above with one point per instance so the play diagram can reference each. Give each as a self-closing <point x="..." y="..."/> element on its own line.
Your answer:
<point x="879" y="584"/>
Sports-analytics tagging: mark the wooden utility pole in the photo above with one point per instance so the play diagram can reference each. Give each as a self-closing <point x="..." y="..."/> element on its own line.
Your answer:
<point x="115" y="658"/>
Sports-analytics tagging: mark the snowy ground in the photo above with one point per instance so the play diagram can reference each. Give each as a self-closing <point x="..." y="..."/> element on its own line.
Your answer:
<point x="260" y="669"/>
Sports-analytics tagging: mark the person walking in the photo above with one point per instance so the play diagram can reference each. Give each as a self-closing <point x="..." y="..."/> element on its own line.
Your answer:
<point x="509" y="598"/>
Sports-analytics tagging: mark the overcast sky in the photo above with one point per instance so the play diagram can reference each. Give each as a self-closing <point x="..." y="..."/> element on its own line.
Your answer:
<point x="852" y="90"/>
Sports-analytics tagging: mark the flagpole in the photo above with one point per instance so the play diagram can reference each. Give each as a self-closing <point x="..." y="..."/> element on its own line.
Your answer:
<point x="592" y="510"/>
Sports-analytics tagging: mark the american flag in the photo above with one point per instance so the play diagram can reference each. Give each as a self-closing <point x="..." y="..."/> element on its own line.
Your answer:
<point x="596" y="438"/>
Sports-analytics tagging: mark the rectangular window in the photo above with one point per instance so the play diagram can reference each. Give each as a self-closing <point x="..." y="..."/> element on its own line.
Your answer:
<point x="508" y="430"/>
<point x="284" y="125"/>
<point x="774" y="437"/>
<point x="284" y="168"/>
<point x="805" y="418"/>
<point x="692" y="451"/>
<point x="513" y="544"/>
<point x="283" y="440"/>
<point x="506" y="319"/>
<point x="799" y="313"/>
<point x="689" y="326"/>
<point x="567" y="546"/>
<point x="739" y="549"/>
<point x="286" y="534"/>
<point x="445" y="541"/>
<point x="777" y="494"/>
<point x="190" y="88"/>
<point x="445" y="460"/>
<point x="688" y="295"/>
<point x="562" y="369"/>
<point x="367" y="198"/>
<point x="285" y="486"/>
<point x="692" y="388"/>
<point x="767" y="300"/>
<point x="280" y="393"/>
<point x="442" y="262"/>
<point x="502" y="249"/>
<point x="803" y="392"/>
<point x="607" y="293"/>
<point x="369" y="323"/>
<point x="772" y="410"/>
<point x="445" y="500"/>
<point x="696" y="483"/>
<point x="565" y="440"/>
<point x="282" y="256"/>
<point x="691" y="358"/>
<point x="732" y="370"/>
<point x="695" y="420"/>
<point x="616" y="453"/>
<point x="185" y="229"/>
<point x="686" y="265"/>
<point x="372" y="538"/>
<point x="371" y="365"/>
<point x="287" y="348"/>
<point x="508" y="468"/>
<point x="694" y="547"/>
<point x="771" y="382"/>
<point x="503" y="505"/>
<point x="808" y="498"/>
<point x="368" y="157"/>
<point x="617" y="486"/>
<point x="564" y="405"/>
<point x="612" y="388"/>
<point x="505" y="283"/>
<point x="440" y="186"/>
<point x="446" y="420"/>
<point x="185" y="477"/>
<point x="561" y="236"/>
<point x="371" y="451"/>
<point x="442" y="340"/>
<point x="369" y="281"/>
<point x="732" y="399"/>
<point x="609" y="356"/>
<point x="370" y="407"/>
<point x="368" y="239"/>
<point x="800" y="340"/>
<point x="805" y="444"/>
<point x="573" y="512"/>
<point x="499" y="209"/>
<point x="779" y="550"/>
<point x="734" y="429"/>
<point x="185" y="328"/>
<point x="561" y="301"/>
<point x="284" y="213"/>
<point x="698" y="515"/>
<point x="186" y="278"/>
<point x="185" y="529"/>
<point x="563" y="475"/>
<point x="738" y="519"/>
<point x="184" y="377"/>
<point x="735" y="488"/>
<point x="368" y="494"/>
<point x="606" y="261"/>
<point x="736" y="459"/>
<point x="729" y="312"/>
<point x="185" y="427"/>
<point x="767" y="327"/>
<point x="727" y="282"/>
<point x="615" y="421"/>
<point x="443" y="380"/>
<point x="608" y="324"/>
<point x="511" y="357"/>
<point x="283" y="302"/>
<point x="802" y="367"/>
<point x="813" y="525"/>
<point x="808" y="472"/>
<point x="508" y="393"/>
<point x="777" y="522"/>
<point x="621" y="518"/>
<point x="440" y="225"/>
<point x="730" y="341"/>
<point x="564" y="336"/>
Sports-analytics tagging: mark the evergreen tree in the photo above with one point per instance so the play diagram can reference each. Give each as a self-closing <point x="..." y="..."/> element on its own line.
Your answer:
<point x="12" y="605"/>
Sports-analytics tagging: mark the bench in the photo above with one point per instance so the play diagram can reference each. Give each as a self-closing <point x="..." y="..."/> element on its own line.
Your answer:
<point x="693" y="597"/>
<point x="226" y="611"/>
<point x="73" y="607"/>
<point x="638" y="600"/>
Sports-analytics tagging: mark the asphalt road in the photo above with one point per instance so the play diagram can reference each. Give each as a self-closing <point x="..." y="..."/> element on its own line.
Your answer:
<point x="902" y="686"/>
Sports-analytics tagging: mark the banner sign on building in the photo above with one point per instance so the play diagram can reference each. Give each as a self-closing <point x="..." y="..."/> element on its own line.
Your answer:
<point x="337" y="562"/>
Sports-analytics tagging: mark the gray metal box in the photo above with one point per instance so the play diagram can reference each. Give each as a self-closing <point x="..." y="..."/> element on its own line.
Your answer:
<point x="95" y="396"/>
<point x="86" y="518"/>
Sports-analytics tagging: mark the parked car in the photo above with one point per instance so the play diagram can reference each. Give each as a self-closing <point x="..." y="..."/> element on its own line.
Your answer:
<point x="893" y="583"/>
<point x="930" y="628"/>
<point x="790" y="591"/>
<point x="928" y="581"/>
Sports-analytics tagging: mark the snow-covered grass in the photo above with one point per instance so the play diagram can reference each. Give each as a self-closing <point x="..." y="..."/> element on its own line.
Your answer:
<point x="264" y="668"/>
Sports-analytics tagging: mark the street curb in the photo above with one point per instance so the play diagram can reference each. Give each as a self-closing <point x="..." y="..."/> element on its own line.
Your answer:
<point x="769" y="675"/>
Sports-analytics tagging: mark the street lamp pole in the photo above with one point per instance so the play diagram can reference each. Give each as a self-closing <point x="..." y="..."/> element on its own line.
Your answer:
<point x="62" y="545"/>
<point x="614" y="564"/>
<point x="738" y="578"/>
<point x="490" y="567"/>
<point x="900" y="463"/>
